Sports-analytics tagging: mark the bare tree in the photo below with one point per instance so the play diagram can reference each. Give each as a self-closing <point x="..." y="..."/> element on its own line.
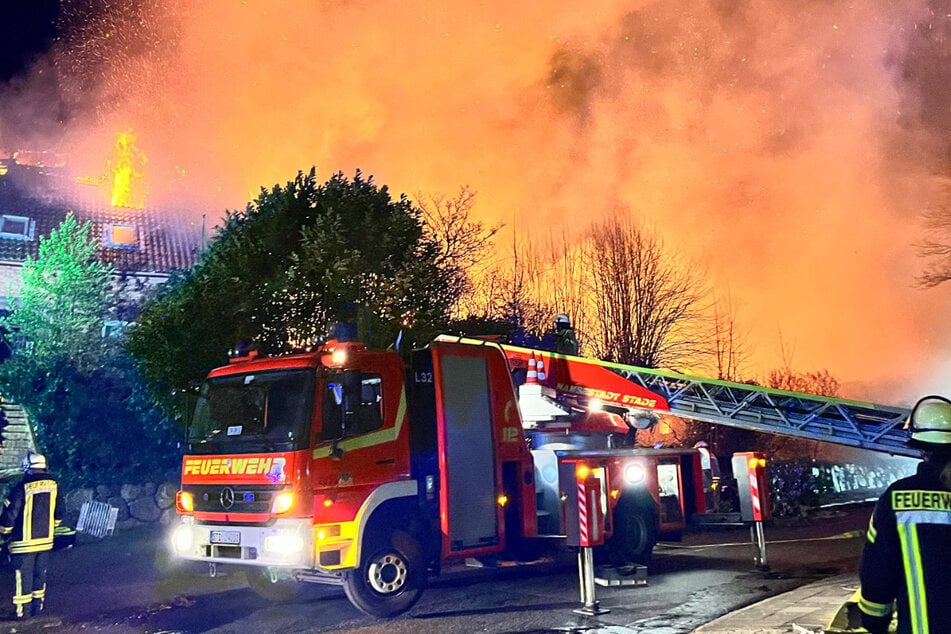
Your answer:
<point x="525" y="305"/>
<point x="729" y="345"/>
<point x="820" y="383"/>
<point x="555" y="281"/>
<point x="647" y="305"/>
<point x="465" y="243"/>
<point x="729" y="352"/>
<point x="936" y="248"/>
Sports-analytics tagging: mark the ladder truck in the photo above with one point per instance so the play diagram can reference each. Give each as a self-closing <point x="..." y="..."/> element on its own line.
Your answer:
<point x="671" y="498"/>
<point x="371" y="470"/>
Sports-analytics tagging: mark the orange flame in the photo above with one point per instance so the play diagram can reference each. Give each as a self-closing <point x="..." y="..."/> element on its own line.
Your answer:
<point x="128" y="187"/>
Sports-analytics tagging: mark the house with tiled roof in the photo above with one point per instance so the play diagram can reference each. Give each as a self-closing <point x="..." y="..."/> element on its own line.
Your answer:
<point x="148" y="243"/>
<point x="144" y="246"/>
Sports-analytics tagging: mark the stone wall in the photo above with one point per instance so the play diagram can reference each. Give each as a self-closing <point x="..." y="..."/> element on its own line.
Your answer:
<point x="138" y="504"/>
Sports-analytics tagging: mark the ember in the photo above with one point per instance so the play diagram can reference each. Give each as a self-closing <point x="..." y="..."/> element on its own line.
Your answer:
<point x="792" y="148"/>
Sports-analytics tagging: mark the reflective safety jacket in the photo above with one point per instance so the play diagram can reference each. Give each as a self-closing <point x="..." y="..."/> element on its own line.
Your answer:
<point x="30" y="514"/>
<point x="907" y="557"/>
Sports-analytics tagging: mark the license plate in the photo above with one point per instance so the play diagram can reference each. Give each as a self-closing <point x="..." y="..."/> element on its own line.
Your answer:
<point x="225" y="537"/>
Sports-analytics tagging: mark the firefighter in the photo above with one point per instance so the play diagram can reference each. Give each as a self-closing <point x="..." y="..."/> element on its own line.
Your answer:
<point x="906" y="557"/>
<point x="710" y="468"/>
<point x="565" y="340"/>
<point x="29" y="517"/>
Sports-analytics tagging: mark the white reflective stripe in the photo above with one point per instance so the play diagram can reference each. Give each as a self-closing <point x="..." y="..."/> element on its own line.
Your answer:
<point x="923" y="517"/>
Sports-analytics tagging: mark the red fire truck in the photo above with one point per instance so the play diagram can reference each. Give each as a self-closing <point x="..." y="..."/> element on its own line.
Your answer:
<point x="372" y="470"/>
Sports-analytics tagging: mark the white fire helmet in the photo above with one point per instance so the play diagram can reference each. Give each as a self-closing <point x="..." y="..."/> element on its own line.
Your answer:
<point x="33" y="460"/>
<point x="562" y="320"/>
<point x="930" y="422"/>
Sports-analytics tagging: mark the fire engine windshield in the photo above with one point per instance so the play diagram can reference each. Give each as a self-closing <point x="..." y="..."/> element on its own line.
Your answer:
<point x="248" y="413"/>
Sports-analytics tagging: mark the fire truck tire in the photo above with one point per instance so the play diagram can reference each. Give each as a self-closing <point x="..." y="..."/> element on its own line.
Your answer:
<point x="635" y="532"/>
<point x="273" y="587"/>
<point x="391" y="576"/>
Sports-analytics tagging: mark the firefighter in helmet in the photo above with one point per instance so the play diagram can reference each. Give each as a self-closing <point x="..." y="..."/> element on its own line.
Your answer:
<point x="27" y="522"/>
<point x="565" y="340"/>
<point x="905" y="560"/>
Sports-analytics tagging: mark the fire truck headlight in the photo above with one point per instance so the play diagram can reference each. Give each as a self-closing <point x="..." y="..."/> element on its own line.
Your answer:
<point x="183" y="538"/>
<point x="634" y="473"/>
<point x="283" y="502"/>
<point x="184" y="502"/>
<point x="283" y="544"/>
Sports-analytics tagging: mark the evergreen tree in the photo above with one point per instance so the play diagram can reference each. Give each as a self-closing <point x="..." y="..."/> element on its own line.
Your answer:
<point x="87" y="404"/>
<point x="61" y="305"/>
<point x="280" y="272"/>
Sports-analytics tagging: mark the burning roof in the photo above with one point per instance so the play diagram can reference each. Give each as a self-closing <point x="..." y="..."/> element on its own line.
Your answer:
<point x="134" y="239"/>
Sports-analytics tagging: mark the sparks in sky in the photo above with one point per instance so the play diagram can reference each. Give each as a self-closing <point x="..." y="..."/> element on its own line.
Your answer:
<point x="790" y="147"/>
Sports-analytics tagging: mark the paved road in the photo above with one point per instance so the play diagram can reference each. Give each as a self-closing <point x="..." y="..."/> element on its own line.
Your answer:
<point x="127" y="584"/>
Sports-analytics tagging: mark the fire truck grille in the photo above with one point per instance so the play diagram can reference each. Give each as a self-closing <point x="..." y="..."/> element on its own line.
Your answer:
<point x="232" y="499"/>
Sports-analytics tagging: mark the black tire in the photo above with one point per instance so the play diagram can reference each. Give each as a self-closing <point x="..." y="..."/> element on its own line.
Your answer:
<point x="277" y="588"/>
<point x="391" y="576"/>
<point x="635" y="531"/>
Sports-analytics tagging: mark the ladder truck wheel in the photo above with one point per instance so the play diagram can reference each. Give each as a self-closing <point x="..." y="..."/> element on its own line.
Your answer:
<point x="391" y="576"/>
<point x="270" y="584"/>
<point x="635" y="531"/>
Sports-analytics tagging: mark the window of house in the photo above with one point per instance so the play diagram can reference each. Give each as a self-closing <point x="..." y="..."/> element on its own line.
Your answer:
<point x="16" y="227"/>
<point x="120" y="236"/>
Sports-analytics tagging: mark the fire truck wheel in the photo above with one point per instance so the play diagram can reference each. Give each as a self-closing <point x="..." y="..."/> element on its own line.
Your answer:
<point x="635" y="532"/>
<point x="273" y="587"/>
<point x="391" y="576"/>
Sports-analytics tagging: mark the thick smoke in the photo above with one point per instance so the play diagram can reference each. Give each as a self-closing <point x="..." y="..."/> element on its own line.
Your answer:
<point x="790" y="147"/>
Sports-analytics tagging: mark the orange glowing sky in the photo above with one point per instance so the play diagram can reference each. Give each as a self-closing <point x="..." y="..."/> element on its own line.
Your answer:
<point x="790" y="147"/>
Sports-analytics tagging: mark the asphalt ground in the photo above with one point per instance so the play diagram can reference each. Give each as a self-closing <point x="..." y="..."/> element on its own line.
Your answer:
<point x="127" y="583"/>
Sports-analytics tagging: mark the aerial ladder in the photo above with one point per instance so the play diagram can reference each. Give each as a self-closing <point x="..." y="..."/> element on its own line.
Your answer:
<point x="852" y="423"/>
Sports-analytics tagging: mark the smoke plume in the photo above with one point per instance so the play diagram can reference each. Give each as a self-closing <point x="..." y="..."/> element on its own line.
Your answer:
<point x="790" y="147"/>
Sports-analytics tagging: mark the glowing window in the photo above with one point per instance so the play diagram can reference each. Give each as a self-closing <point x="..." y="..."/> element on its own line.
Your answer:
<point x="119" y="236"/>
<point x="16" y="227"/>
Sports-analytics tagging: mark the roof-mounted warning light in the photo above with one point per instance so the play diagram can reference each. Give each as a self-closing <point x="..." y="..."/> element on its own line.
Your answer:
<point x="243" y="351"/>
<point x="344" y="332"/>
<point x="341" y="346"/>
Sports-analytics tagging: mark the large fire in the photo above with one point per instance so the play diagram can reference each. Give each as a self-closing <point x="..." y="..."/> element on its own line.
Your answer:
<point x="128" y="185"/>
<point x="790" y="147"/>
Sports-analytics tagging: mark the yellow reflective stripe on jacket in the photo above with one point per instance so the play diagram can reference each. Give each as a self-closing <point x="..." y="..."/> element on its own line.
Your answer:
<point x="27" y="520"/>
<point x="914" y="577"/>
<point x="874" y="609"/>
<point x="35" y="546"/>
<point x="872" y="531"/>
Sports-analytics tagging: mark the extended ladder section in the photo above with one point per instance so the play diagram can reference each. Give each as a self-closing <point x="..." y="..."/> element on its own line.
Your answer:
<point x="844" y="422"/>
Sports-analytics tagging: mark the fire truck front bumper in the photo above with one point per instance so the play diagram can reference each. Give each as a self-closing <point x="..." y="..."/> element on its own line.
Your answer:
<point x="287" y="543"/>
